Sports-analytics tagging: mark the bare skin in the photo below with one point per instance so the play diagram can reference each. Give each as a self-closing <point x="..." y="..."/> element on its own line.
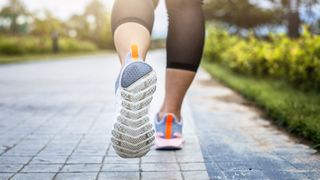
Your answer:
<point x="131" y="33"/>
<point x="177" y="81"/>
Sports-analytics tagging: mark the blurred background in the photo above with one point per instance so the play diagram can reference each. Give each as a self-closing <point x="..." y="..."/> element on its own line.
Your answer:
<point x="30" y="26"/>
<point x="33" y="26"/>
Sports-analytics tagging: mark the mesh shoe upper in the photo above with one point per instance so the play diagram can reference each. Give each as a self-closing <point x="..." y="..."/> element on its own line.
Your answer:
<point x="168" y="127"/>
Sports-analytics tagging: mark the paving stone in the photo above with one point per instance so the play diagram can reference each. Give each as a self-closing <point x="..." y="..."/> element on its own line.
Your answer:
<point x="5" y="175"/>
<point x="7" y="168"/>
<point x="119" y="175"/>
<point x="120" y="167"/>
<point x="76" y="176"/>
<point x="193" y="166"/>
<point x="42" y="168"/>
<point x="275" y="174"/>
<point x="236" y="165"/>
<point x="160" y="167"/>
<point x="119" y="160"/>
<point x="199" y="175"/>
<point x="14" y="159"/>
<point x="158" y="159"/>
<point x="176" y="175"/>
<point x="49" y="160"/>
<point x="21" y="152"/>
<point x="243" y="174"/>
<point x="84" y="159"/>
<point x="313" y="174"/>
<point x="154" y="152"/>
<point x="81" y="168"/>
<point x="214" y="171"/>
<point x="190" y="158"/>
<point x="33" y="176"/>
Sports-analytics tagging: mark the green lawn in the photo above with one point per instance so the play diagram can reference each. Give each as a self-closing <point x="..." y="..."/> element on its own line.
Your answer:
<point x="297" y="111"/>
<point x="37" y="57"/>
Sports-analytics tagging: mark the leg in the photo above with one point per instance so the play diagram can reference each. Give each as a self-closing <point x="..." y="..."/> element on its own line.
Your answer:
<point x="131" y="33"/>
<point x="184" y="50"/>
<point x="132" y="22"/>
<point x="132" y="131"/>
<point x="177" y="84"/>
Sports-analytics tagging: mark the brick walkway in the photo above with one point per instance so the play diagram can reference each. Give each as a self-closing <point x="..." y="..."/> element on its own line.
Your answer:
<point x="56" y="117"/>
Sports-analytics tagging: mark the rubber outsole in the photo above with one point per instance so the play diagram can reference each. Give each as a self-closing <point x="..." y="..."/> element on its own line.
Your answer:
<point x="133" y="133"/>
<point x="169" y="144"/>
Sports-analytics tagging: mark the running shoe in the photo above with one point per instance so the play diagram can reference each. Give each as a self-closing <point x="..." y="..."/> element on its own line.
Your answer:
<point x="168" y="132"/>
<point x="133" y="133"/>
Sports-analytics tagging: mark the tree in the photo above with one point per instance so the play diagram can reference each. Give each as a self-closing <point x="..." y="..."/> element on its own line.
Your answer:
<point x="47" y="26"/>
<point x="293" y="27"/>
<point x="247" y="15"/>
<point x="99" y="23"/>
<point x="240" y="13"/>
<point x="13" y="10"/>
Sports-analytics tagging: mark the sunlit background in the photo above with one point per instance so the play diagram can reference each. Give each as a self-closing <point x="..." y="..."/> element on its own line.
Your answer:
<point x="64" y="10"/>
<point x="84" y="25"/>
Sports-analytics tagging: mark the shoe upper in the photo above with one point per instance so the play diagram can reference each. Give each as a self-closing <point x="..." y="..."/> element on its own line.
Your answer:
<point x="131" y="72"/>
<point x="168" y="127"/>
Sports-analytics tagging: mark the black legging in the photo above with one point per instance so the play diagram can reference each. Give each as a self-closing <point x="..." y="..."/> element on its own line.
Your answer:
<point x="186" y="27"/>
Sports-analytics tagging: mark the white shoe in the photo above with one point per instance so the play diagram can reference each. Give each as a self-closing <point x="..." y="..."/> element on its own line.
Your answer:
<point x="133" y="133"/>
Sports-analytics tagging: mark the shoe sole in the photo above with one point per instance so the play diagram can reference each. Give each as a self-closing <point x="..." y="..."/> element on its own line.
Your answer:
<point x="133" y="133"/>
<point x="169" y="144"/>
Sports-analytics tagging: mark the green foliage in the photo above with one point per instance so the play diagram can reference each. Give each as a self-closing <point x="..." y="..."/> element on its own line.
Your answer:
<point x="92" y="25"/>
<point x="295" y="60"/>
<point x="20" y="45"/>
<point x="291" y="108"/>
<point x="12" y="11"/>
<point x="71" y="45"/>
<point x="241" y="13"/>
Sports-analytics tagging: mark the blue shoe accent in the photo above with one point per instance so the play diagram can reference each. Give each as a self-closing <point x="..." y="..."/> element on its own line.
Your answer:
<point x="160" y="126"/>
<point x="132" y="72"/>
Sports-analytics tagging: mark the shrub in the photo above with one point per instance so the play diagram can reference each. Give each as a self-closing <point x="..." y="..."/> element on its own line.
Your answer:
<point x="71" y="45"/>
<point x="20" y="45"/>
<point x="295" y="60"/>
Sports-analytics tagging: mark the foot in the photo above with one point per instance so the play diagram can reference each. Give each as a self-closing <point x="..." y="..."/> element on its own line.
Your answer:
<point x="168" y="132"/>
<point x="132" y="134"/>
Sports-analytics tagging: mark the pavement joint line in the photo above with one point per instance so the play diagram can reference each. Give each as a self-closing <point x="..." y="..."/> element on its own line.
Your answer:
<point x="50" y="118"/>
<point x="175" y="155"/>
<point x="140" y="168"/>
<point x="69" y="156"/>
<point x="49" y="141"/>
<point x="21" y="139"/>
<point x="17" y="124"/>
<point x="103" y="159"/>
<point x="293" y="165"/>
<point x="79" y="141"/>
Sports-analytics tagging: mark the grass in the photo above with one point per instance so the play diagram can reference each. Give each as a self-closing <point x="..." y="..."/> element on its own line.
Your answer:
<point x="40" y="57"/>
<point x="295" y="110"/>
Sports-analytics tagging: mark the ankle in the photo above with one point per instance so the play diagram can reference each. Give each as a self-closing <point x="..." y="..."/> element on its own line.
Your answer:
<point x="162" y="113"/>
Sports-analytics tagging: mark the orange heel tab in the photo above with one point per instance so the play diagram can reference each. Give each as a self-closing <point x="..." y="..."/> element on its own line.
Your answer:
<point x="168" y="130"/>
<point x="134" y="52"/>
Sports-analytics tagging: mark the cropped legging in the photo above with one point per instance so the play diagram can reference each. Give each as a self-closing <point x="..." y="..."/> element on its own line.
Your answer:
<point x="186" y="27"/>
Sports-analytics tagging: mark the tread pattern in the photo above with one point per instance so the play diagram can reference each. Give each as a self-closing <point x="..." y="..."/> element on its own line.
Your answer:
<point x="133" y="133"/>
